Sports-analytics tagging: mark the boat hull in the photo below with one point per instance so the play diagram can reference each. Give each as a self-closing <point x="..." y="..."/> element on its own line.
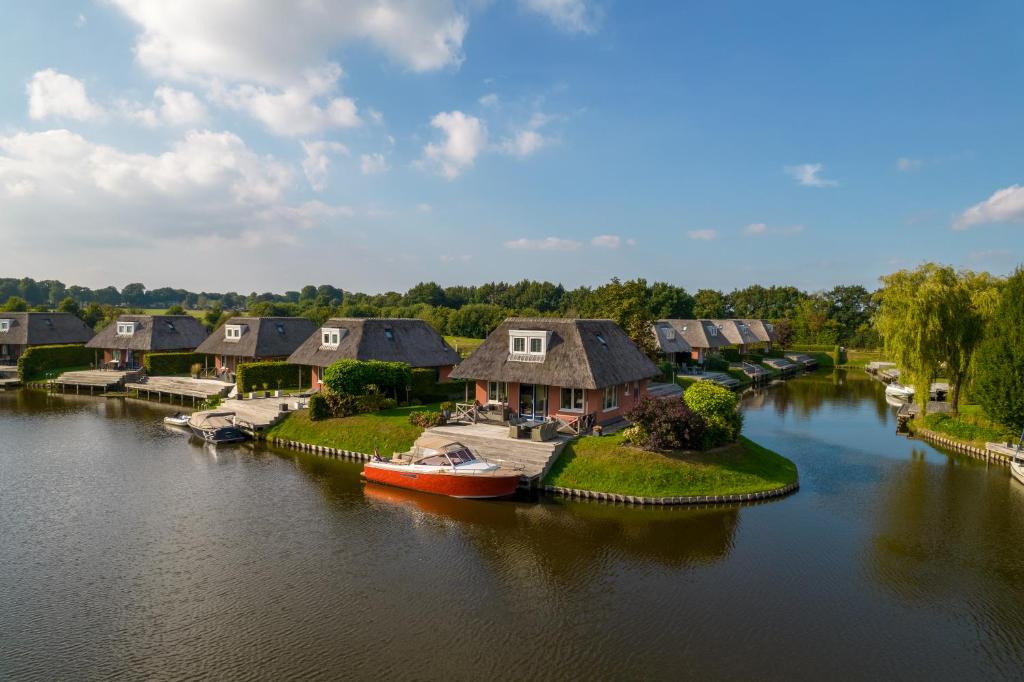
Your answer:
<point x="452" y="485"/>
<point x="1017" y="470"/>
<point x="224" y="434"/>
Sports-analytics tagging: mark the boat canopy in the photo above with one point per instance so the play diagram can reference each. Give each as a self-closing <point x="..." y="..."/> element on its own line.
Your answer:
<point x="440" y="451"/>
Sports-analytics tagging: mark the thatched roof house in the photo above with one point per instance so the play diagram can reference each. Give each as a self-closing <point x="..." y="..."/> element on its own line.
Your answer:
<point x="737" y="332"/>
<point x="563" y="368"/>
<point x="128" y="338"/>
<point x="18" y="331"/>
<point x="763" y="330"/>
<point x="246" y="339"/>
<point x="411" y="341"/>
<point x="695" y="339"/>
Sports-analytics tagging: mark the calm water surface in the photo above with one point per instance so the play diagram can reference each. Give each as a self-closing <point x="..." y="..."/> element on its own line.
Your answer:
<point x="128" y="550"/>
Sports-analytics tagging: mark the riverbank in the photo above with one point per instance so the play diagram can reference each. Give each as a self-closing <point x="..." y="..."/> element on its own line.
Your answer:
<point x="387" y="431"/>
<point x="607" y="465"/>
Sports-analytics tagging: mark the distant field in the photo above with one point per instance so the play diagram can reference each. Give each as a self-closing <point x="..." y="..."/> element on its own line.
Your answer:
<point x="463" y="345"/>
<point x="198" y="314"/>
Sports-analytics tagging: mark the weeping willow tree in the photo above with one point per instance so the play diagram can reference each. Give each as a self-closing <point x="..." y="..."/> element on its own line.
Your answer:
<point x="932" y="320"/>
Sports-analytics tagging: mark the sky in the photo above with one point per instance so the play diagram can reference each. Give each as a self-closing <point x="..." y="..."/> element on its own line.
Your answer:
<point x="372" y="144"/>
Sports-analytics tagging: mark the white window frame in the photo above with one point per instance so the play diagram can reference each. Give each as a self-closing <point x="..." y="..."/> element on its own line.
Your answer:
<point x="125" y="328"/>
<point x="518" y="344"/>
<point x="610" y="399"/>
<point x="528" y="339"/>
<point x="5" y="325"/>
<point x="232" y="332"/>
<point x="498" y="389"/>
<point x="577" y="396"/>
<point x="330" y="337"/>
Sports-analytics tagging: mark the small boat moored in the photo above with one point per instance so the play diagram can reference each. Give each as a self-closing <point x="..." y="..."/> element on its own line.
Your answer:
<point x="444" y="467"/>
<point x="177" y="420"/>
<point x="218" y="427"/>
<point x="899" y="391"/>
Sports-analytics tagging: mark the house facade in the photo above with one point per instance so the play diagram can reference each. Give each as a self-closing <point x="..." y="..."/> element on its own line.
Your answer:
<point x="19" y="331"/>
<point x="124" y="343"/>
<point x="411" y="341"/>
<point x="251" y="339"/>
<point x="565" y="369"/>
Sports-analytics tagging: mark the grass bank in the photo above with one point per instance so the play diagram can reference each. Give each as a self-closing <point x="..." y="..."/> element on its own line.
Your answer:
<point x="969" y="426"/>
<point x="463" y="345"/>
<point x="606" y="464"/>
<point x="388" y="431"/>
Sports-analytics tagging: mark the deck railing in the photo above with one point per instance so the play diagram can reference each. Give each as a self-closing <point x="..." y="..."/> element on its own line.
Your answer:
<point x="465" y="412"/>
<point x="577" y="425"/>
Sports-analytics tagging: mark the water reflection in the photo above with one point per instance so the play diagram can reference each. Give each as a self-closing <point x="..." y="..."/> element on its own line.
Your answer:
<point x="815" y="390"/>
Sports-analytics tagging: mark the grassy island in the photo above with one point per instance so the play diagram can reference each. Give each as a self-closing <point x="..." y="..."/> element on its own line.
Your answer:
<point x="388" y="431"/>
<point x="608" y="464"/>
<point x="969" y="426"/>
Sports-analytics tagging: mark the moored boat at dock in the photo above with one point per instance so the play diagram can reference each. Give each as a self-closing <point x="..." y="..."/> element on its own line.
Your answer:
<point x="444" y="467"/>
<point x="217" y="427"/>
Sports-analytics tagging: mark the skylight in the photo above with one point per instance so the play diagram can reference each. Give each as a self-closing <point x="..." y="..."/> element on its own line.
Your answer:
<point x="389" y="334"/>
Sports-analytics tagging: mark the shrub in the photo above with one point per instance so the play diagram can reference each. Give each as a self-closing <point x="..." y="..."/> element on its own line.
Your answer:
<point x="634" y="434"/>
<point x="353" y="377"/>
<point x="718" y="407"/>
<point x="424" y="386"/>
<point x="668" y="424"/>
<point x="196" y="369"/>
<point x="426" y="419"/>
<point x="250" y="375"/>
<point x="164" y="364"/>
<point x="318" y="408"/>
<point x="375" y="402"/>
<point x="39" y="359"/>
<point x="667" y="370"/>
<point x="716" y="364"/>
<point x="731" y="354"/>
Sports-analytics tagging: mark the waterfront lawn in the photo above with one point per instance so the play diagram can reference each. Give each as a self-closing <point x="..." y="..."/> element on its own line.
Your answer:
<point x="463" y="344"/>
<point x="389" y="430"/>
<point x="860" y="358"/>
<point x="970" y="426"/>
<point x="606" y="464"/>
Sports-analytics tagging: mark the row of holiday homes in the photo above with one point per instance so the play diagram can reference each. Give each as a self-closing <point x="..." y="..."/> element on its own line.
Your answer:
<point x="535" y="367"/>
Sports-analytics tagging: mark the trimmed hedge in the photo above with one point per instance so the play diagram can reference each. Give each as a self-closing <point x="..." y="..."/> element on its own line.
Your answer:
<point x="714" y="364"/>
<point x="352" y="377"/>
<point x="249" y="374"/>
<point x="38" y="359"/>
<point x="731" y="354"/>
<point x="165" y="364"/>
<point x="318" y="408"/>
<point x="427" y="389"/>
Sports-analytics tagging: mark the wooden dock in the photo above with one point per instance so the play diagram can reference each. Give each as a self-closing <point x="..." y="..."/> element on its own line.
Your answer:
<point x="492" y="442"/>
<point x="255" y="416"/>
<point x="9" y="376"/>
<point x="180" y="388"/>
<point x="94" y="380"/>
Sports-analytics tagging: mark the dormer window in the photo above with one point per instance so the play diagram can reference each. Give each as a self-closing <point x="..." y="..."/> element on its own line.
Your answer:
<point x="232" y="332"/>
<point x="670" y="333"/>
<point x="330" y="337"/>
<point x="713" y="331"/>
<point x="527" y="346"/>
<point x="769" y="326"/>
<point x="125" y="328"/>
<point x="5" y="325"/>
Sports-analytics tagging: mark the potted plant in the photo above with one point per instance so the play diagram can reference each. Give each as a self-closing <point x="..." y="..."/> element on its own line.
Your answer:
<point x="196" y="369"/>
<point x="266" y="390"/>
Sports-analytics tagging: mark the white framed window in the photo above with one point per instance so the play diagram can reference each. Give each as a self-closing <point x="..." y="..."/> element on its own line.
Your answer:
<point x="518" y="344"/>
<point x="232" y="332"/>
<point x="536" y="345"/>
<point x="497" y="392"/>
<point x="125" y="328"/>
<point x="572" y="400"/>
<point x="5" y="325"/>
<point x="528" y="346"/>
<point x="611" y="397"/>
<point x="330" y="337"/>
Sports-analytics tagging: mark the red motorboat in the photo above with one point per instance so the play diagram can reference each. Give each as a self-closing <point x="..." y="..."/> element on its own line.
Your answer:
<point x="445" y="467"/>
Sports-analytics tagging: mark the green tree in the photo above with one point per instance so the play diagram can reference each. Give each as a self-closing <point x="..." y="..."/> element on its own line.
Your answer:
<point x="999" y="365"/>
<point x="15" y="304"/>
<point x="709" y="304"/>
<point x="476" y="320"/>
<point x="669" y="302"/>
<point x="175" y="310"/>
<point x="69" y="305"/>
<point x="628" y="303"/>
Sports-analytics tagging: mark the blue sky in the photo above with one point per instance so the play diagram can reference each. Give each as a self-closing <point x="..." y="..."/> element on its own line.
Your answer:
<point x="373" y="144"/>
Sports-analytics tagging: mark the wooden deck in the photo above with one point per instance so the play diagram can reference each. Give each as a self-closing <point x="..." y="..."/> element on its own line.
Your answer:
<point x="93" y="380"/>
<point x="181" y="388"/>
<point x="664" y="390"/>
<point x="491" y="442"/>
<point x="256" y="415"/>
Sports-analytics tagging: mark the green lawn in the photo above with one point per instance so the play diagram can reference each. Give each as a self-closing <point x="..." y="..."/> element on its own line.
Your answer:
<point x="970" y="426"/>
<point x="464" y="345"/>
<point x="389" y="430"/>
<point x="198" y="314"/>
<point x="606" y="464"/>
<point x="860" y="358"/>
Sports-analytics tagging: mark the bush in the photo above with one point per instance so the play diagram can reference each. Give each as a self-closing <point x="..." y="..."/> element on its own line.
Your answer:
<point x="715" y="364"/>
<point x="999" y="363"/>
<point x="668" y="371"/>
<point x="426" y="387"/>
<point x="668" y="424"/>
<point x="353" y="377"/>
<point x="426" y="419"/>
<point x="731" y="354"/>
<point x="718" y="407"/>
<point x="276" y="374"/>
<point x="39" y="359"/>
<point x="318" y="408"/>
<point x="164" y="364"/>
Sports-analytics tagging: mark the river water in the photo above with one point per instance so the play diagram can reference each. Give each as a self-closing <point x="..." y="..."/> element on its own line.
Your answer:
<point x="128" y="550"/>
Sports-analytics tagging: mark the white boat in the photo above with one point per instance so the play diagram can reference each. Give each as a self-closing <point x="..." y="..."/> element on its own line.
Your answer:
<point x="899" y="391"/>
<point x="177" y="420"/>
<point x="1017" y="468"/>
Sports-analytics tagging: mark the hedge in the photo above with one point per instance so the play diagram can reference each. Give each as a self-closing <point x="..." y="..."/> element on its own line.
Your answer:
<point x="714" y="364"/>
<point x="249" y="374"/>
<point x="427" y="389"/>
<point x="731" y="354"/>
<point x="39" y="359"/>
<point x="164" y="364"/>
<point x="352" y="377"/>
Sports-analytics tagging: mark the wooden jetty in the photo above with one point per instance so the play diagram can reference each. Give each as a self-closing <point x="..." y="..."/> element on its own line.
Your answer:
<point x="180" y="388"/>
<point x="93" y="380"/>
<point x="9" y="376"/>
<point x="492" y="442"/>
<point x="783" y="365"/>
<point x="256" y="415"/>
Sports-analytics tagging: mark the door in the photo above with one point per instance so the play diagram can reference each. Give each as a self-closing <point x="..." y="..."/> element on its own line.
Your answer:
<point x="527" y="402"/>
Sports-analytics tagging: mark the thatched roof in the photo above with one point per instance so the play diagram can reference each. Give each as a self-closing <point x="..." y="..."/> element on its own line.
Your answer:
<point x="668" y="339"/>
<point x="579" y="354"/>
<point x="413" y="342"/>
<point x="261" y="337"/>
<point x="36" y="329"/>
<point x="763" y="330"/>
<point x="696" y="333"/>
<point x="152" y="333"/>
<point x="737" y="331"/>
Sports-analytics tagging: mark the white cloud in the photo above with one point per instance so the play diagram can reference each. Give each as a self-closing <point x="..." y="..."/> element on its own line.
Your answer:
<point x="424" y="208"/>
<point x="372" y="164"/>
<point x="907" y="165"/>
<point x="546" y="244"/>
<point x="808" y="175"/>
<point x="171" y="107"/>
<point x="607" y="241"/>
<point x="58" y="95"/>
<point x="702" y="235"/>
<point x="527" y="140"/>
<point x="304" y="108"/>
<point x="759" y="229"/>
<point x="273" y="42"/>
<point x="318" y="161"/>
<point x="451" y="258"/>
<point x="755" y="228"/>
<point x="572" y="16"/>
<point x="465" y="138"/>
<point x="81" y="21"/>
<point x="490" y="100"/>
<point x="1004" y="206"/>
